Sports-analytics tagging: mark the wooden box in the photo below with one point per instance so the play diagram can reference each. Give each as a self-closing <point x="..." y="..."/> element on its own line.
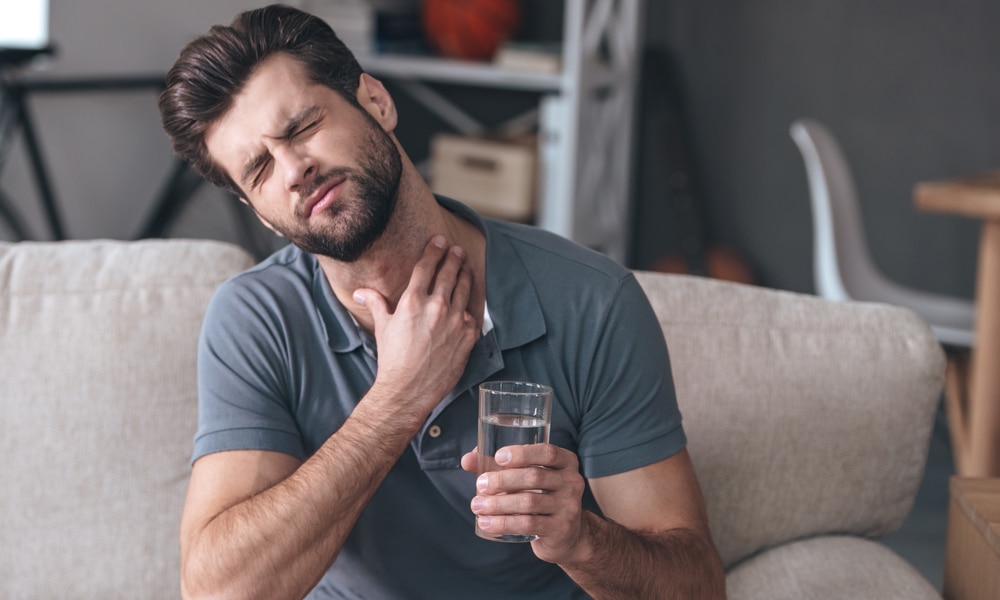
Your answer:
<point x="972" y="550"/>
<point x="496" y="178"/>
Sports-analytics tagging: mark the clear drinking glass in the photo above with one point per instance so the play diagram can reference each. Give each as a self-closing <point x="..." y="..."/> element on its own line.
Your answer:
<point x="511" y="413"/>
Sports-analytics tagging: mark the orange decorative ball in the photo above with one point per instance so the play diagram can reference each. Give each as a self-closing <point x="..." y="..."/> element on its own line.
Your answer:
<point x="469" y="29"/>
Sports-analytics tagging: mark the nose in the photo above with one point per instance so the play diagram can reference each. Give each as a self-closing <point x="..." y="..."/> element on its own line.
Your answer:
<point x="297" y="166"/>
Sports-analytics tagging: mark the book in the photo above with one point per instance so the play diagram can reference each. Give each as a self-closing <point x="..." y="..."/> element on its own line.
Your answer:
<point x="530" y="57"/>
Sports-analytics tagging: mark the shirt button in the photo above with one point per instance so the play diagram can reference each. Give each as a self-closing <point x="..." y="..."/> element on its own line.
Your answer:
<point x="434" y="431"/>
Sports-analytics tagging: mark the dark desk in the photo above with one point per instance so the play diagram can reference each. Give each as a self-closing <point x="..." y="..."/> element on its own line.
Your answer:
<point x="173" y="194"/>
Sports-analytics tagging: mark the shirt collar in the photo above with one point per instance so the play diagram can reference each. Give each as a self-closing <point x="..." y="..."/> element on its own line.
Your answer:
<point x="514" y="308"/>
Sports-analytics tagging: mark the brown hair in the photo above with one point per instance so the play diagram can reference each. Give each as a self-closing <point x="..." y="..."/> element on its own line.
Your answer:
<point x="212" y="69"/>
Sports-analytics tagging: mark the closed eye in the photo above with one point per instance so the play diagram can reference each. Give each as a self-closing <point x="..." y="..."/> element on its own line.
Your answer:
<point x="304" y="129"/>
<point x="303" y="124"/>
<point x="254" y="170"/>
<point x="258" y="175"/>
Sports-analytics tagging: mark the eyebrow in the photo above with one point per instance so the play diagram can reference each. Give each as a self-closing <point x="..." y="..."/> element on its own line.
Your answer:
<point x="294" y="123"/>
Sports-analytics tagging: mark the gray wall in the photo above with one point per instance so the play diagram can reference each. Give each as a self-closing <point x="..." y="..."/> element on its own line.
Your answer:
<point x="909" y="86"/>
<point x="105" y="151"/>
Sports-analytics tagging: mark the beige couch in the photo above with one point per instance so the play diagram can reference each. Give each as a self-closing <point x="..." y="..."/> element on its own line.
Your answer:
<point x="808" y="421"/>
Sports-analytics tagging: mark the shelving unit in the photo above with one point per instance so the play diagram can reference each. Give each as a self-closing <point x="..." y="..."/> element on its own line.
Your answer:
<point x="585" y="116"/>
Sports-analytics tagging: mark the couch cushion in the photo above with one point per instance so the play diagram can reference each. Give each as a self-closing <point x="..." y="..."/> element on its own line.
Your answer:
<point x="828" y="568"/>
<point x="98" y="411"/>
<point x="804" y="416"/>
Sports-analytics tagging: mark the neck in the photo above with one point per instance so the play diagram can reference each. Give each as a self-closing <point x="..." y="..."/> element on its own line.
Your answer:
<point x="386" y="267"/>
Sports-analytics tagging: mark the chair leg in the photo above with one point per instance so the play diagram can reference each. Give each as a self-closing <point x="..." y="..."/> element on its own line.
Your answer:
<point x="956" y="395"/>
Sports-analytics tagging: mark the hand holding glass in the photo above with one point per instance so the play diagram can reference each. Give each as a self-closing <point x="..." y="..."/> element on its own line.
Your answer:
<point x="511" y="413"/>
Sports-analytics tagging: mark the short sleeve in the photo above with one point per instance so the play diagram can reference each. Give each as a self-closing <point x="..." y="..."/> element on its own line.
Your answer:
<point x="631" y="418"/>
<point x="242" y="378"/>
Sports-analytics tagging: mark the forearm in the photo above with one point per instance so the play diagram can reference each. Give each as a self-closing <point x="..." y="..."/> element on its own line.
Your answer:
<point x="279" y="542"/>
<point x="615" y="562"/>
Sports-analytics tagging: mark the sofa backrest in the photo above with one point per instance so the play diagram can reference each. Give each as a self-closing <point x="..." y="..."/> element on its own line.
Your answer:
<point x="98" y="411"/>
<point x="804" y="416"/>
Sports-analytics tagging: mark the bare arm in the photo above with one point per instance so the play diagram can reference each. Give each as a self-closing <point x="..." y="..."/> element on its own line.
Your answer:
<point x="653" y="543"/>
<point x="262" y="525"/>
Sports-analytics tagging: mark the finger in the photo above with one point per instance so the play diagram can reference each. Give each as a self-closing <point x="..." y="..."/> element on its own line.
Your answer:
<point x="512" y="481"/>
<point x="463" y="288"/>
<point x="511" y="524"/>
<point x="423" y="272"/>
<point x="470" y="461"/>
<point x="448" y="272"/>
<point x="374" y="302"/>
<point x="520" y="503"/>
<point x="544" y="455"/>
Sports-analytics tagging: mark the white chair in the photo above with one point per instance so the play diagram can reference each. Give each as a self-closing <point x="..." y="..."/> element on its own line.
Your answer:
<point x="844" y="270"/>
<point x="843" y="267"/>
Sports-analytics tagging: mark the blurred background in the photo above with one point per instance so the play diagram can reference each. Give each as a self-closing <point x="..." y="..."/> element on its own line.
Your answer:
<point x="909" y="88"/>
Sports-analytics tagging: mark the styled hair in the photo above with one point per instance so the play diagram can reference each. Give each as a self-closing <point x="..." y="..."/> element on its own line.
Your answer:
<point x="213" y="69"/>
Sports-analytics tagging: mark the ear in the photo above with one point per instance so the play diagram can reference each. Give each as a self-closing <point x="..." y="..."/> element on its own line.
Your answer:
<point x="374" y="98"/>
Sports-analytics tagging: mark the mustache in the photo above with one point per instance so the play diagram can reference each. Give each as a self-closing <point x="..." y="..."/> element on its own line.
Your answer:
<point x="321" y="180"/>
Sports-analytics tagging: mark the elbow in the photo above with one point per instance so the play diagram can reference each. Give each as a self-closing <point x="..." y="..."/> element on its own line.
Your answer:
<point x="190" y="592"/>
<point x="715" y="580"/>
<point x="195" y="586"/>
<point x="202" y="586"/>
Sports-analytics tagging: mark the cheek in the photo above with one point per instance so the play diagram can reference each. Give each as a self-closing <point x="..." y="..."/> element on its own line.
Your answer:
<point x="264" y="204"/>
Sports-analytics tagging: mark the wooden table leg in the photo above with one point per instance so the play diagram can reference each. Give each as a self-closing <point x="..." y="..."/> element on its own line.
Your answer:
<point x="956" y="404"/>
<point x="984" y="398"/>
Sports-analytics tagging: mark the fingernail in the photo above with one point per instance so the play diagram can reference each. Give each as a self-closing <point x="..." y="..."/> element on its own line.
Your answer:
<point x="484" y="522"/>
<point x="477" y="504"/>
<point x="359" y="298"/>
<point x="457" y="251"/>
<point x="503" y="456"/>
<point x="439" y="241"/>
<point x="482" y="482"/>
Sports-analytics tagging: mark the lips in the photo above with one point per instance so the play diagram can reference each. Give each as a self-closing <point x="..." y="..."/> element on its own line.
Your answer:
<point x="325" y="196"/>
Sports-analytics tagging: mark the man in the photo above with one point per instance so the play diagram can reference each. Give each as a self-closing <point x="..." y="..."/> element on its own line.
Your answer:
<point x="338" y="378"/>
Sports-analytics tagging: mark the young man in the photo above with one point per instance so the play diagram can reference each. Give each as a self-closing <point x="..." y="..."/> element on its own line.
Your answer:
<point x="338" y="378"/>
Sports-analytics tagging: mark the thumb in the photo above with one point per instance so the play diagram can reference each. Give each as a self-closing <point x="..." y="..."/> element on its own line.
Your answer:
<point x="373" y="301"/>
<point x="470" y="460"/>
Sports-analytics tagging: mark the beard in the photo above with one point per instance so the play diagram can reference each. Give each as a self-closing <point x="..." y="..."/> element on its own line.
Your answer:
<point x="363" y="211"/>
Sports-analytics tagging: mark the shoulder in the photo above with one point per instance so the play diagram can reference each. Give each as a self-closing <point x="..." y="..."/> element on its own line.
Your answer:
<point x="283" y="273"/>
<point x="550" y="257"/>
<point x="280" y="284"/>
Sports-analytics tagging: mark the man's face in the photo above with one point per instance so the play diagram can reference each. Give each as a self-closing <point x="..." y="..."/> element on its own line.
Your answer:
<point x="315" y="168"/>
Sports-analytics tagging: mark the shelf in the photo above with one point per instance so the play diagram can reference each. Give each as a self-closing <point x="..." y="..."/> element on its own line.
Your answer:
<point x="584" y="116"/>
<point x="401" y="66"/>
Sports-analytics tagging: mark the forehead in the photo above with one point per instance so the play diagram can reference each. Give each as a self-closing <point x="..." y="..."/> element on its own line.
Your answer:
<point x="277" y="90"/>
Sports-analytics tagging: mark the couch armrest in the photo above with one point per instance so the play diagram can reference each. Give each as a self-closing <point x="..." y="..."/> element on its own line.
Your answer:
<point x="804" y="416"/>
<point x="828" y="567"/>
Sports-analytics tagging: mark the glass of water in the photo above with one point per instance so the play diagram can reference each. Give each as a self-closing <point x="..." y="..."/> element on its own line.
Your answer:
<point x="511" y="413"/>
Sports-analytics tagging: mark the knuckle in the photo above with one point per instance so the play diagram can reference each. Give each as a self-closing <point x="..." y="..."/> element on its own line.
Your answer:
<point x="525" y="524"/>
<point x="496" y="480"/>
<point x="436" y="307"/>
<point x="534" y="478"/>
<point x="529" y="503"/>
<point x="406" y="303"/>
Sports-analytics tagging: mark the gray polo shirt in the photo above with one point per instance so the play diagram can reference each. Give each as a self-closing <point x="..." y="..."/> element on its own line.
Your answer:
<point x="282" y="364"/>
